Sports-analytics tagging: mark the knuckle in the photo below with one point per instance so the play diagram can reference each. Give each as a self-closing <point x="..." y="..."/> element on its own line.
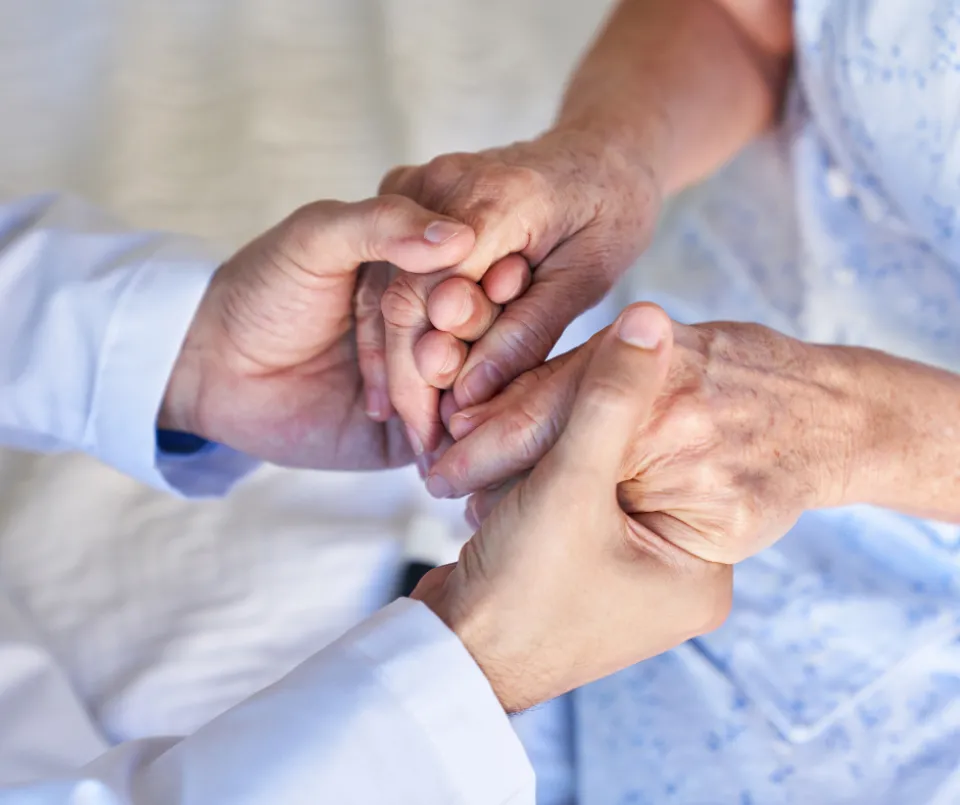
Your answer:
<point x="310" y="213"/>
<point x="403" y="305"/>
<point x="383" y="210"/>
<point x="527" y="180"/>
<point x="442" y="171"/>
<point x="607" y="393"/>
<point x="305" y="226"/>
<point x="692" y="422"/>
<point x="522" y="189"/>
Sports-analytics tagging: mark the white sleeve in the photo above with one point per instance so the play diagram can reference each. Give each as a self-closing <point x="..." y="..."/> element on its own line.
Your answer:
<point x="395" y="712"/>
<point x="92" y="317"/>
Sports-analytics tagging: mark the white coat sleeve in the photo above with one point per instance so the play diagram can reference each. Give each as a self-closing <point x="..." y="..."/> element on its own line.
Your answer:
<point x="394" y="713"/>
<point x="92" y="318"/>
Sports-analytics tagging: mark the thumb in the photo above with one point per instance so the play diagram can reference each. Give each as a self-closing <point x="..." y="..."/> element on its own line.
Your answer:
<point x="332" y="237"/>
<point x="621" y="384"/>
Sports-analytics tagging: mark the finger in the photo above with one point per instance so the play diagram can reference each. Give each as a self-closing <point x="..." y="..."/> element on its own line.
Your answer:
<point x="460" y="307"/>
<point x="446" y="442"/>
<point x="371" y="339"/>
<point x="516" y="429"/>
<point x="439" y="357"/>
<point x="466" y="420"/>
<point x="397" y="230"/>
<point x="621" y="384"/>
<point x="507" y="279"/>
<point x="404" y="306"/>
<point x="527" y="329"/>
<point x="331" y="237"/>
<point x="448" y="407"/>
<point x="510" y="208"/>
<point x="505" y="227"/>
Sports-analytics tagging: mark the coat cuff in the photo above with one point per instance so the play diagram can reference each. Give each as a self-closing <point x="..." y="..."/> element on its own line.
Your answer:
<point x="146" y="333"/>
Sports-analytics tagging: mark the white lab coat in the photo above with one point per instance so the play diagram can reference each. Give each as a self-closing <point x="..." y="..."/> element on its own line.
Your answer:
<point x="396" y="711"/>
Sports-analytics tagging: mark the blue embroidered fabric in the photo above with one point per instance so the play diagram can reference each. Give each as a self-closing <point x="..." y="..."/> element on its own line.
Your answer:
<point x="837" y="677"/>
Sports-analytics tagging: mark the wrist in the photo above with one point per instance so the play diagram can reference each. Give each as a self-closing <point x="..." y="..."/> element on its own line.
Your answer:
<point x="179" y="401"/>
<point x="178" y="410"/>
<point x="200" y="367"/>
<point x="854" y="381"/>
<point x="901" y="445"/>
<point x="632" y="148"/>
<point x="482" y="640"/>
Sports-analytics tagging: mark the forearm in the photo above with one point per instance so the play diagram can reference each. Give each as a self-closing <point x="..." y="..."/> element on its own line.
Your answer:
<point x="907" y="457"/>
<point x="686" y="84"/>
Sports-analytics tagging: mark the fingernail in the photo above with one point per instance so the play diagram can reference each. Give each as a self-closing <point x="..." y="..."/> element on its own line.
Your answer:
<point x="423" y="467"/>
<point x="378" y="403"/>
<point x="441" y="231"/>
<point x="471" y="516"/>
<point x="415" y="444"/>
<point x="482" y="382"/>
<point x="641" y="327"/>
<point x="439" y="487"/>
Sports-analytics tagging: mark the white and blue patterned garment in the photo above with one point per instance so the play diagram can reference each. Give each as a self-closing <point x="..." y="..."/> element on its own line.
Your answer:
<point x="837" y="677"/>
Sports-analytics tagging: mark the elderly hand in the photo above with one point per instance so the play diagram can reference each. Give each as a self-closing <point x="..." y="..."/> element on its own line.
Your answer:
<point x="568" y="206"/>
<point x="270" y="364"/>
<point x="560" y="587"/>
<point x="750" y="429"/>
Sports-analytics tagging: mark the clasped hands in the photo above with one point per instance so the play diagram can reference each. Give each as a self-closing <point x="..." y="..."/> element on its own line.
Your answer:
<point x="613" y="487"/>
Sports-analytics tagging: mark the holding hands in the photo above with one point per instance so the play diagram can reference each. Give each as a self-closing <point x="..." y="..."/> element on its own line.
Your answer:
<point x="513" y="595"/>
<point x="557" y="221"/>
<point x="750" y="429"/>
<point x="271" y="366"/>
<point x="639" y="466"/>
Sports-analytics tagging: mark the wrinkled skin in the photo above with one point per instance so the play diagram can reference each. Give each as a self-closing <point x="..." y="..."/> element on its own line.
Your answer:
<point x="558" y="220"/>
<point x="751" y="429"/>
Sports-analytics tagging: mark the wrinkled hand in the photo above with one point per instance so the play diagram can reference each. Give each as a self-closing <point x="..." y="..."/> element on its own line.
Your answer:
<point x="566" y="207"/>
<point x="751" y="429"/>
<point x="560" y="587"/>
<point x="270" y="364"/>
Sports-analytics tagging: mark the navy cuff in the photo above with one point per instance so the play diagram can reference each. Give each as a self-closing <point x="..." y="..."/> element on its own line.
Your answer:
<point x="175" y="443"/>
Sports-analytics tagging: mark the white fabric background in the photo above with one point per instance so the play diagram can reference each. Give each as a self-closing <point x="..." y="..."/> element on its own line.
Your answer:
<point x="218" y="117"/>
